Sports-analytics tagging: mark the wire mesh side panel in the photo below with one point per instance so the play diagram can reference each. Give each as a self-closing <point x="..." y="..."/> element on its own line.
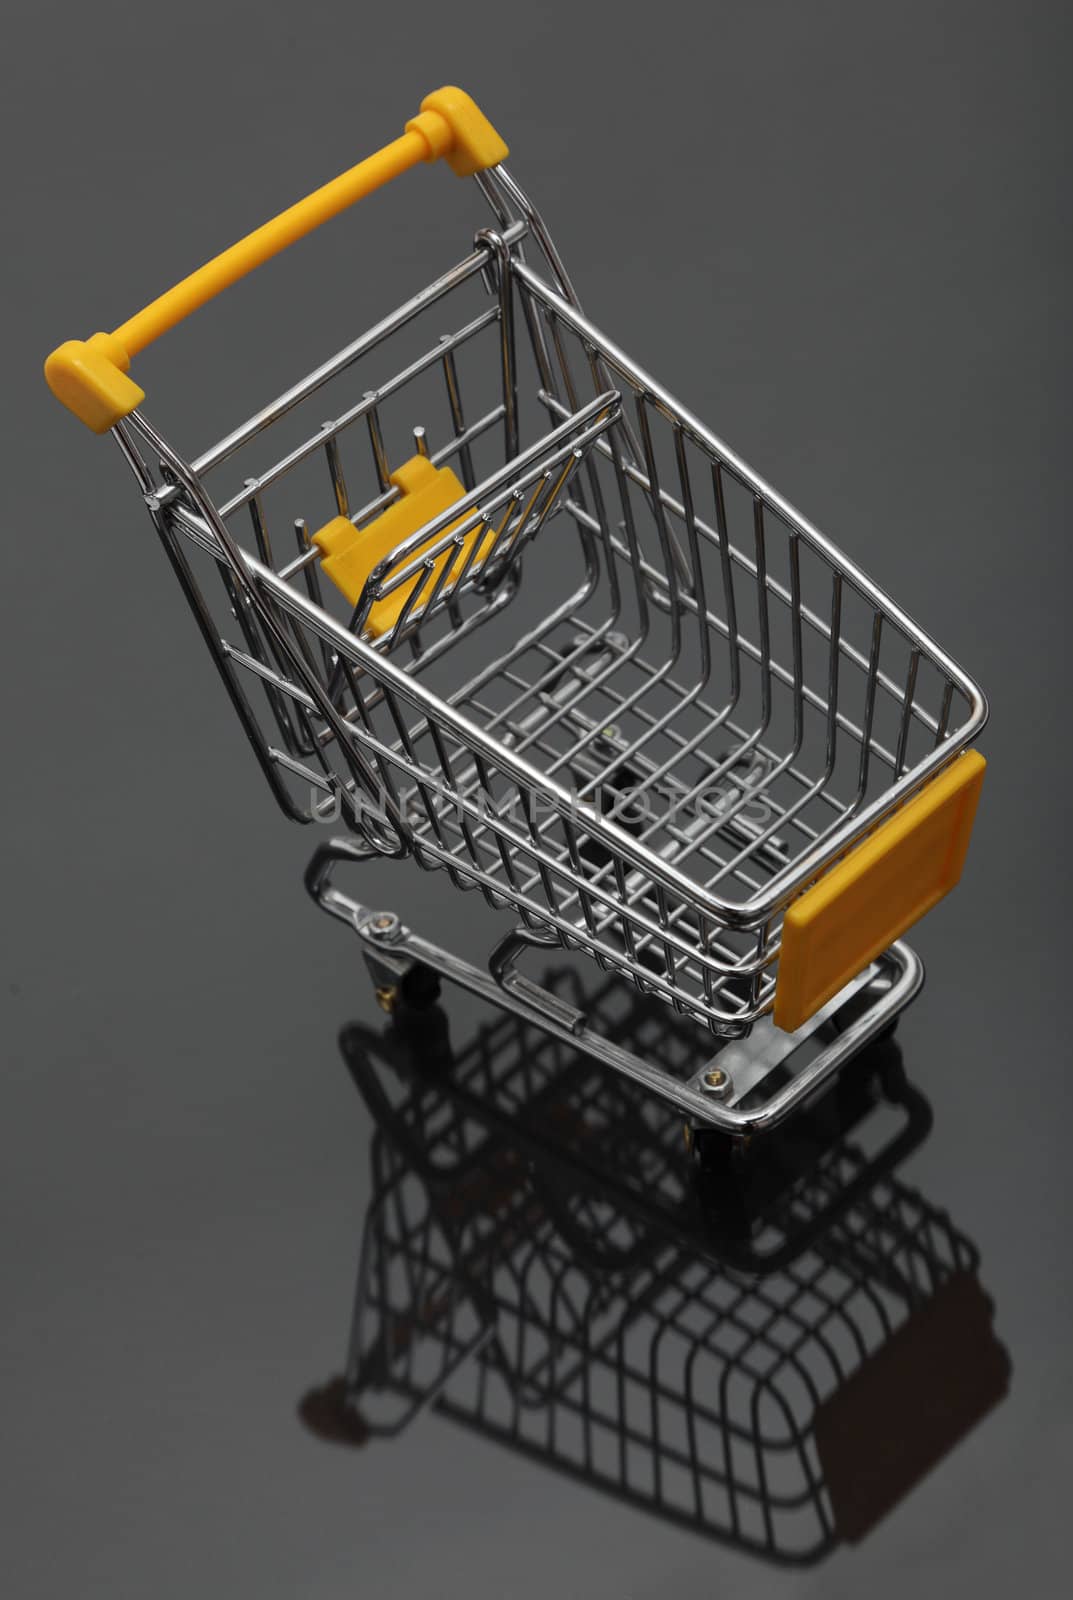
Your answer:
<point x="646" y="1370"/>
<point x="764" y="695"/>
<point x="434" y="378"/>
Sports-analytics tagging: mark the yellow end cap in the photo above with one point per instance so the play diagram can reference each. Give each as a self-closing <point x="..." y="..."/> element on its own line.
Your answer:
<point x="453" y="125"/>
<point x="90" y="378"/>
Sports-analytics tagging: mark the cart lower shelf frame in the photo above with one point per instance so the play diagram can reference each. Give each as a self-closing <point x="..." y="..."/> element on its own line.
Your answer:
<point x="747" y="1086"/>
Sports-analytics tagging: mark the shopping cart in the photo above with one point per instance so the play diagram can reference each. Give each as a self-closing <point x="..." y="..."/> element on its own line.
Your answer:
<point x="692" y="740"/>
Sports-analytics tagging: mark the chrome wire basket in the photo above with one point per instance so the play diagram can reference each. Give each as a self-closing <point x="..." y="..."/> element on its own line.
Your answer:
<point x="515" y="614"/>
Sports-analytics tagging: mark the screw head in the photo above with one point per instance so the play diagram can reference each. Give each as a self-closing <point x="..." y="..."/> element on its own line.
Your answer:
<point x="383" y="924"/>
<point x="716" y="1081"/>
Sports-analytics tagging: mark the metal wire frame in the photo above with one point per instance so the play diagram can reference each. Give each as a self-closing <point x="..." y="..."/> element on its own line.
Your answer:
<point x="721" y="622"/>
<point x="680" y="632"/>
<point x="763" y="1079"/>
<point x="622" y="1353"/>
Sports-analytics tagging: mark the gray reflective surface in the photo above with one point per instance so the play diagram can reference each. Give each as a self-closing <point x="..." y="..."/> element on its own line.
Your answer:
<point x="855" y="267"/>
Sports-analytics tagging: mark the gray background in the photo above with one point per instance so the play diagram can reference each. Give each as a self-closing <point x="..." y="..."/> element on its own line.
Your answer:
<point x="839" y="232"/>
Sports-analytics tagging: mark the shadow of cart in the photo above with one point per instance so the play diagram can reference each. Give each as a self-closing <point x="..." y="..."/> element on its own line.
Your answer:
<point x="770" y="1345"/>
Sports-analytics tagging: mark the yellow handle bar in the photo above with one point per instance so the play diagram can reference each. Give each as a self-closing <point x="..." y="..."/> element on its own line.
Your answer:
<point x="90" y="376"/>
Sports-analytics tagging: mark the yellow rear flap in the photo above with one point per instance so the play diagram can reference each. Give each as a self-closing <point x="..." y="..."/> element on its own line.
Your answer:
<point x="876" y="892"/>
<point x="350" y="554"/>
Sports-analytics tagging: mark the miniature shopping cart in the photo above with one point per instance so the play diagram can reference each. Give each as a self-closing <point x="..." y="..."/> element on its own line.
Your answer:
<point x="514" y="613"/>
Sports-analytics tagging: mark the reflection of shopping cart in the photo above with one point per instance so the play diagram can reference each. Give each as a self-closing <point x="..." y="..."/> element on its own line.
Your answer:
<point x="693" y="741"/>
<point x="536" y="1266"/>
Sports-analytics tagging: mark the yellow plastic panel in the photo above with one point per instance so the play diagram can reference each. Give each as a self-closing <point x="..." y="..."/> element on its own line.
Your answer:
<point x="350" y="553"/>
<point x="876" y="892"/>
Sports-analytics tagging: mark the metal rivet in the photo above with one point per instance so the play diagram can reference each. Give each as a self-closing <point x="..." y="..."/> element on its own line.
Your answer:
<point x="716" y="1081"/>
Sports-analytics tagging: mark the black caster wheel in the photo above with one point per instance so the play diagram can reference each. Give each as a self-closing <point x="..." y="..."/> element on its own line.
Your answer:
<point x="328" y="1414"/>
<point x="418" y="989"/>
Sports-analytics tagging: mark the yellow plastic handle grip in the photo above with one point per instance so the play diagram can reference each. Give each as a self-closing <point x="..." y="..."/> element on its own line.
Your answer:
<point x="90" y="377"/>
